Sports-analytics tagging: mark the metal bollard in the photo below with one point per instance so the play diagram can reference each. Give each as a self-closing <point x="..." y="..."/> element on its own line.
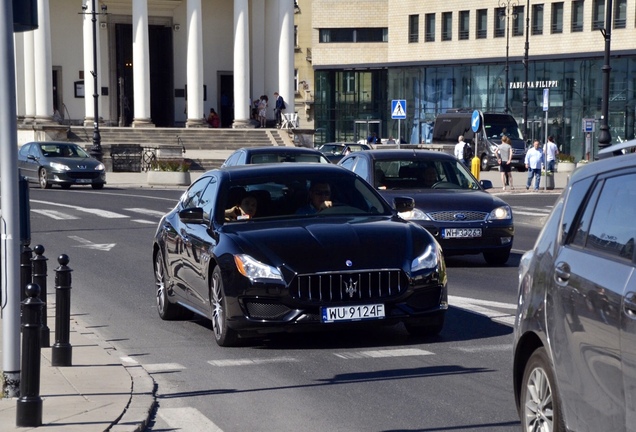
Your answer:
<point x="29" y="405"/>
<point x="25" y="269"/>
<point x="39" y="278"/>
<point x="61" y="351"/>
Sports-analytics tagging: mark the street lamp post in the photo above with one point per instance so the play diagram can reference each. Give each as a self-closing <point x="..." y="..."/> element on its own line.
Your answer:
<point x="526" y="48"/>
<point x="96" y="149"/>
<point x="604" y="136"/>
<point x="507" y="8"/>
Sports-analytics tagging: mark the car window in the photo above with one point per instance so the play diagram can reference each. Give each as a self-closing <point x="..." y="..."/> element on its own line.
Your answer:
<point x="576" y="195"/>
<point x="612" y="229"/>
<point x="362" y="168"/>
<point x="207" y="199"/>
<point x="348" y="163"/>
<point x="191" y="197"/>
<point x="422" y="174"/>
<point x="231" y="161"/>
<point x="25" y="150"/>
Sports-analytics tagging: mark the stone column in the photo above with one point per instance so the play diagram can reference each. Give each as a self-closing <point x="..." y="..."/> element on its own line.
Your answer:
<point x="141" y="65"/>
<point x="241" y="64"/>
<point x="89" y="88"/>
<point x="194" y="71"/>
<point x="286" y="53"/>
<point x="29" y="78"/>
<point x="43" y="65"/>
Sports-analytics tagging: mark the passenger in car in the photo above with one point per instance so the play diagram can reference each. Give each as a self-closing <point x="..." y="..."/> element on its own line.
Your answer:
<point x="245" y="210"/>
<point x="319" y="199"/>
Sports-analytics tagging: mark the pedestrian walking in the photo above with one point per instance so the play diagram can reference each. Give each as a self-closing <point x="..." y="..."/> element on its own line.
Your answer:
<point x="551" y="152"/>
<point x="504" y="159"/>
<point x="534" y="162"/>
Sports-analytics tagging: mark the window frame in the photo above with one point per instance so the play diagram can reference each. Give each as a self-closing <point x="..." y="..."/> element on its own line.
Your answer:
<point x="429" y="27"/>
<point x="578" y="16"/>
<point x="463" y="32"/>
<point x="556" y="24"/>
<point x="414" y="28"/>
<point x="538" y="11"/>
<point x="447" y="26"/>
<point x="481" y="29"/>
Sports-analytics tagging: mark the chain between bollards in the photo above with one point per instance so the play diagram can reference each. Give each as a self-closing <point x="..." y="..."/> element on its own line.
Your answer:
<point x="39" y="278"/>
<point x="61" y="351"/>
<point x="29" y="405"/>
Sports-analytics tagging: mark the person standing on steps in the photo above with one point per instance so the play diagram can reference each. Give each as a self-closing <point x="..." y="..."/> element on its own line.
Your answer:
<point x="279" y="108"/>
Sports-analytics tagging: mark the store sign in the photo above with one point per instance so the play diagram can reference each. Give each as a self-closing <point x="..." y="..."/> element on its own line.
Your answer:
<point x="535" y="84"/>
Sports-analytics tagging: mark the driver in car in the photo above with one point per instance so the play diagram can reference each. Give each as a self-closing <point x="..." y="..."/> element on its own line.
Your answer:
<point x="319" y="199"/>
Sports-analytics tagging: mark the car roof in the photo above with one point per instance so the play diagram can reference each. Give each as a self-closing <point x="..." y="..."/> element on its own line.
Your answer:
<point x="616" y="149"/>
<point x="279" y="149"/>
<point x="604" y="165"/>
<point x="391" y="154"/>
<point x="260" y="170"/>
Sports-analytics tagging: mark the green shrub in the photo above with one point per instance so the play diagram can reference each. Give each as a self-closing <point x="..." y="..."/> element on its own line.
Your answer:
<point x="180" y="165"/>
<point x="564" y="157"/>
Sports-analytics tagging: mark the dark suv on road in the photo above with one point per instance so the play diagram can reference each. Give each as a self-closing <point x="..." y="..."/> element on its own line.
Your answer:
<point x="575" y="328"/>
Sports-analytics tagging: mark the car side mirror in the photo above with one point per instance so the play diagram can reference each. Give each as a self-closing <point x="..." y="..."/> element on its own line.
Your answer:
<point x="486" y="184"/>
<point x="191" y="215"/>
<point x="31" y="157"/>
<point x="403" y="204"/>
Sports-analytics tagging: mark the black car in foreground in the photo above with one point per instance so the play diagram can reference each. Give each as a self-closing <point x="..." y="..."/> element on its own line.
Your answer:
<point x="449" y="201"/>
<point x="575" y="329"/>
<point x="273" y="154"/>
<point x="321" y="250"/>
<point x="61" y="163"/>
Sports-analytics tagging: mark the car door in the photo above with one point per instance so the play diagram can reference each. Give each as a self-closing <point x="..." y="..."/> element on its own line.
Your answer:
<point x="584" y="308"/>
<point x="628" y="350"/>
<point x="28" y="167"/>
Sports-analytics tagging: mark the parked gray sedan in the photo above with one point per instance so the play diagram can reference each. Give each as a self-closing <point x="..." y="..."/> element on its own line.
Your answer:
<point x="62" y="163"/>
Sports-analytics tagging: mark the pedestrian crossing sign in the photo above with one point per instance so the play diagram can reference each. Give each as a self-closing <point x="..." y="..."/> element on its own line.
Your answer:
<point x="398" y="109"/>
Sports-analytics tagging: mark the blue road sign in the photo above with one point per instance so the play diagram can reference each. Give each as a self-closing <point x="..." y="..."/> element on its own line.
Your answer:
<point x="398" y="109"/>
<point x="474" y="121"/>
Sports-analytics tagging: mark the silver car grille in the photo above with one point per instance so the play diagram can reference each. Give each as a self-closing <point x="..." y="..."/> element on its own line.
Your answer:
<point x="458" y="216"/>
<point x="349" y="286"/>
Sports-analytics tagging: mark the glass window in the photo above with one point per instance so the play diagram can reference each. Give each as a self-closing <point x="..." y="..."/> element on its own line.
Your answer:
<point x="517" y="20"/>
<point x="414" y="28"/>
<point x="482" y="24"/>
<point x="576" y="197"/>
<point x="537" y="19"/>
<point x="500" y="22"/>
<point x="598" y="14"/>
<point x="612" y="230"/>
<point x="464" y="25"/>
<point x="620" y="14"/>
<point x="191" y="197"/>
<point x="430" y="27"/>
<point x="296" y="36"/>
<point x="447" y="26"/>
<point x="557" y="17"/>
<point x="371" y="34"/>
<point x="577" y="16"/>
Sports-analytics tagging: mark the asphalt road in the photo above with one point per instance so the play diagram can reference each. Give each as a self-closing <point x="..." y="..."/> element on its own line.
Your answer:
<point x="376" y="380"/>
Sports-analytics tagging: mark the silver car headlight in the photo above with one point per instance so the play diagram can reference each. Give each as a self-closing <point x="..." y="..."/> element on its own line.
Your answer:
<point x="100" y="167"/>
<point x="415" y="214"/>
<point x="59" y="166"/>
<point x="428" y="260"/>
<point x="253" y="269"/>
<point x="500" y="213"/>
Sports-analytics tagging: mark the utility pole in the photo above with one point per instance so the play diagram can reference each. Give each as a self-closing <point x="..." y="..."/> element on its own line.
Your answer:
<point x="604" y="136"/>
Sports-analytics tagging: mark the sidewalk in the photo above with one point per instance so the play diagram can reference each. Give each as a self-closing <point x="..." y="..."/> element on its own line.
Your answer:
<point x="98" y="392"/>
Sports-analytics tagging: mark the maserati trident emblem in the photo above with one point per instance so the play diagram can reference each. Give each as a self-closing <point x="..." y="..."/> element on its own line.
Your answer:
<point x="350" y="287"/>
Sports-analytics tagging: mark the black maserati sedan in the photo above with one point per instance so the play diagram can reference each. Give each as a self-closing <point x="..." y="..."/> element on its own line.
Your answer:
<point x="284" y="247"/>
<point x="452" y="204"/>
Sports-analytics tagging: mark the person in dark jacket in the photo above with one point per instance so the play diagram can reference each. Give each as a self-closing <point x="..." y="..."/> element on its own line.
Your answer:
<point x="278" y="108"/>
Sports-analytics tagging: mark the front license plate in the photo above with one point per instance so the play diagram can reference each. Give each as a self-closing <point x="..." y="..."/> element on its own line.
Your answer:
<point x="352" y="313"/>
<point x="461" y="232"/>
<point x="83" y="180"/>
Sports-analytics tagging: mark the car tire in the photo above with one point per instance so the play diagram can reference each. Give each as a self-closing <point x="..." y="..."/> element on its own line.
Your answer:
<point x="224" y="336"/>
<point x="97" y="185"/>
<point x="484" y="163"/>
<point x="497" y="258"/>
<point x="167" y="310"/>
<point x="540" y="408"/>
<point x="43" y="179"/>
<point x="424" y="328"/>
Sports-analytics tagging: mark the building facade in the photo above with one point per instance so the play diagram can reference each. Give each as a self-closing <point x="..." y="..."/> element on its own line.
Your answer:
<point x="160" y="63"/>
<point x="439" y="55"/>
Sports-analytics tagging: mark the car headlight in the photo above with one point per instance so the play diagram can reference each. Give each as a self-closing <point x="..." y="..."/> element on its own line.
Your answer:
<point x="500" y="213"/>
<point x="59" y="166"/>
<point x="253" y="269"/>
<point x="428" y="260"/>
<point x="100" y="167"/>
<point x="415" y="214"/>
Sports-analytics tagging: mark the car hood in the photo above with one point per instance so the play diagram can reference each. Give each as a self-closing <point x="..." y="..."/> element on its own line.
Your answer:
<point x="337" y="244"/>
<point x="447" y="199"/>
<point x="74" y="162"/>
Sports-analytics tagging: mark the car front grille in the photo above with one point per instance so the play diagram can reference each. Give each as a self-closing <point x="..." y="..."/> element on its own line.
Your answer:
<point x="261" y="310"/>
<point x="458" y="216"/>
<point x="349" y="286"/>
<point x="82" y="175"/>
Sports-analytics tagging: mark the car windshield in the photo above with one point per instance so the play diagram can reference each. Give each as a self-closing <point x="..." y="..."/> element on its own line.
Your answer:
<point x="397" y="174"/>
<point x="298" y="196"/>
<point x="335" y="149"/>
<point x="289" y="157"/>
<point x="62" y="150"/>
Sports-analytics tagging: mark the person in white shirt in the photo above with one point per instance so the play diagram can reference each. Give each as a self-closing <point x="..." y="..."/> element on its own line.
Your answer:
<point x="459" y="149"/>
<point x="551" y="152"/>
<point x="534" y="162"/>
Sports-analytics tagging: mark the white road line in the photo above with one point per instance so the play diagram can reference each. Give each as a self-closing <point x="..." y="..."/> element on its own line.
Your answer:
<point x="54" y="214"/>
<point x="162" y="367"/>
<point x="97" y="212"/>
<point x="187" y="419"/>
<point x="146" y="212"/>
<point x="476" y="306"/>
<point x="246" y="362"/>
<point x="485" y="348"/>
<point x="142" y="221"/>
<point x="403" y="352"/>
